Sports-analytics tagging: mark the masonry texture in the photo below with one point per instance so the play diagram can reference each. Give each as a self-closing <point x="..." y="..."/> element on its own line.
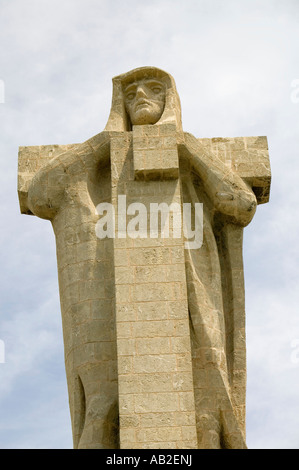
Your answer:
<point x="154" y="331"/>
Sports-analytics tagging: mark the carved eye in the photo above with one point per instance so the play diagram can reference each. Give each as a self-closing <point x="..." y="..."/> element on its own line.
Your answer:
<point x="156" y="89"/>
<point x="130" y="96"/>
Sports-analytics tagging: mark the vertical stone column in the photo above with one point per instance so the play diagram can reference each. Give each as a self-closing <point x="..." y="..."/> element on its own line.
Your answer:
<point x="156" y="399"/>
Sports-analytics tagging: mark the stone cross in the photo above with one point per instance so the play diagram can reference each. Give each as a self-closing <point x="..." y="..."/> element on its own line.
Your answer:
<point x="153" y="323"/>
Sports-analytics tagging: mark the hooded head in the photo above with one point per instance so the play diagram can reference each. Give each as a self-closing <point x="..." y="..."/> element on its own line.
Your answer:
<point x="146" y="95"/>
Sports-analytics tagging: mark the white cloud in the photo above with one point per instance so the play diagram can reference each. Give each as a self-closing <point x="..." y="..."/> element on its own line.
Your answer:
<point x="273" y="380"/>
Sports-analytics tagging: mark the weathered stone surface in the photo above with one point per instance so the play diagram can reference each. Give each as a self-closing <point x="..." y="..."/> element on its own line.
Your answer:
<point x="154" y="327"/>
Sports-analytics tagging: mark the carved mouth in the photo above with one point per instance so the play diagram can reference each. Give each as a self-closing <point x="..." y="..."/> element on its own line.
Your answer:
<point x="142" y="104"/>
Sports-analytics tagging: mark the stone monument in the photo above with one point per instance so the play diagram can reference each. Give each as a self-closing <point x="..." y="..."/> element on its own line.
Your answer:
<point x="153" y="324"/>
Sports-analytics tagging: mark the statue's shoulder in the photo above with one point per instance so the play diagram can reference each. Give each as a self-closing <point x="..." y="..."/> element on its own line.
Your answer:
<point x="246" y="156"/>
<point x="35" y="160"/>
<point x="31" y="161"/>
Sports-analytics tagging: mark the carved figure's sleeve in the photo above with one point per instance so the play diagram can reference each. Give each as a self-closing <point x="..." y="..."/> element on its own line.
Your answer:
<point x="45" y="193"/>
<point x="48" y="189"/>
<point x="229" y="193"/>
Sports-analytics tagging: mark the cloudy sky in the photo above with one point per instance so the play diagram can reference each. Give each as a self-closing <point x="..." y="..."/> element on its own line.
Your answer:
<point x="237" y="72"/>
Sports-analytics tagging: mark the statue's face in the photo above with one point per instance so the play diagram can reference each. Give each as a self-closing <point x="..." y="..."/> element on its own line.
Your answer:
<point x="145" y="101"/>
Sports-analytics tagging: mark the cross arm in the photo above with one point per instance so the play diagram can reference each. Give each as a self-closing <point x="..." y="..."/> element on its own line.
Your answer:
<point x="43" y="170"/>
<point x="246" y="156"/>
<point x="229" y="194"/>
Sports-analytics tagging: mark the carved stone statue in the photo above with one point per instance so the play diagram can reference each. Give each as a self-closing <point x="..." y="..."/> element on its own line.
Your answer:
<point x="154" y="327"/>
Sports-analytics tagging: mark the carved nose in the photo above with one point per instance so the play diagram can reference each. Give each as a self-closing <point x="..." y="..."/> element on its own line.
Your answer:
<point x="140" y="92"/>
